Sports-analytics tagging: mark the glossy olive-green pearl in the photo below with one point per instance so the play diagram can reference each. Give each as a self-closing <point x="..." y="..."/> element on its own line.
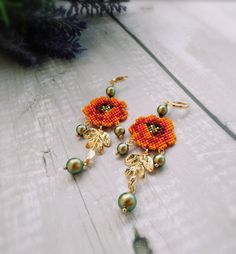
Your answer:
<point x="75" y="165"/>
<point x="111" y="91"/>
<point x="162" y="110"/>
<point x="80" y="129"/>
<point x="159" y="160"/>
<point x="127" y="201"/>
<point x="123" y="149"/>
<point x="119" y="131"/>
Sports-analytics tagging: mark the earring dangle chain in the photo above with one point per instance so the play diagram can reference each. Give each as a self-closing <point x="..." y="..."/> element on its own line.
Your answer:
<point x="154" y="134"/>
<point x="102" y="112"/>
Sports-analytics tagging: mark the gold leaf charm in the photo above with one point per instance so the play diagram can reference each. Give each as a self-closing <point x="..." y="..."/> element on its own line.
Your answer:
<point x="137" y="164"/>
<point x="140" y="160"/>
<point x="97" y="139"/>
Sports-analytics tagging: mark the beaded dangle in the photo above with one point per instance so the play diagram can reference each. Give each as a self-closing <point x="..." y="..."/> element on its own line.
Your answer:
<point x="101" y="112"/>
<point x="154" y="135"/>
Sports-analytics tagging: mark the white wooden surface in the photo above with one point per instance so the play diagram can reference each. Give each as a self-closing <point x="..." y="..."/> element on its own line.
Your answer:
<point x="188" y="208"/>
<point x="195" y="41"/>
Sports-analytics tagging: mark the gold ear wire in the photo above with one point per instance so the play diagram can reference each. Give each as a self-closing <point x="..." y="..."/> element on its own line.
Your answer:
<point x="114" y="81"/>
<point x="177" y="104"/>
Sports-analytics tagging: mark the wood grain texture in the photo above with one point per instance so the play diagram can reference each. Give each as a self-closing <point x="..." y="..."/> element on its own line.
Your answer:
<point x="189" y="207"/>
<point x="196" y="42"/>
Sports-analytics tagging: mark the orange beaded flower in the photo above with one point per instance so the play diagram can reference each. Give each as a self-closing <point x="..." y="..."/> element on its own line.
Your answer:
<point x="104" y="111"/>
<point x="153" y="133"/>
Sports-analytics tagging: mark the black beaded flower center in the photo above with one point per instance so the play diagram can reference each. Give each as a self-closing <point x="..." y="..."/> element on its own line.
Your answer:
<point x="104" y="108"/>
<point x="154" y="128"/>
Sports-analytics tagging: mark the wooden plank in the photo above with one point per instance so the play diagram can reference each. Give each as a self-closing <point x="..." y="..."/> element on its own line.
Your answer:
<point x="189" y="207"/>
<point x="196" y="42"/>
<point x="41" y="207"/>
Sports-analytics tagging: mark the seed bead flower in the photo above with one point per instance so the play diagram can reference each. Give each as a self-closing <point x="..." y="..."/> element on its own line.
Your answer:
<point x="153" y="133"/>
<point x="105" y="111"/>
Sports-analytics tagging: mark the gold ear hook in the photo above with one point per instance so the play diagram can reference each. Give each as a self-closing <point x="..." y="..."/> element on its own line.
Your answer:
<point x="177" y="104"/>
<point x="118" y="79"/>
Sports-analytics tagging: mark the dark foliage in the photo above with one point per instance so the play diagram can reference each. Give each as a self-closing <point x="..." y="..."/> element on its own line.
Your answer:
<point x="14" y="45"/>
<point x="46" y="29"/>
<point x="98" y="7"/>
<point x="56" y="33"/>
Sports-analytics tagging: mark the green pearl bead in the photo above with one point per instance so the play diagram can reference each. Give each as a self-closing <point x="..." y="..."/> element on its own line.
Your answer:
<point x="74" y="166"/>
<point x="119" y="131"/>
<point x="162" y="110"/>
<point x="159" y="160"/>
<point x="111" y="91"/>
<point x="127" y="201"/>
<point x="123" y="149"/>
<point x="80" y="129"/>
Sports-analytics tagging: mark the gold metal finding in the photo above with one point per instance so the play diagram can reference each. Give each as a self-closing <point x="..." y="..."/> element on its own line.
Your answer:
<point x="97" y="139"/>
<point x="177" y="104"/>
<point x="130" y="142"/>
<point x="146" y="152"/>
<point x="124" y="210"/>
<point x="161" y="151"/>
<point x="86" y="123"/>
<point x="137" y="166"/>
<point x="118" y="79"/>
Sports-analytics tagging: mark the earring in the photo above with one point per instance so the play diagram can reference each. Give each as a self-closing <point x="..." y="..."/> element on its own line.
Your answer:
<point x="154" y="135"/>
<point x="105" y="111"/>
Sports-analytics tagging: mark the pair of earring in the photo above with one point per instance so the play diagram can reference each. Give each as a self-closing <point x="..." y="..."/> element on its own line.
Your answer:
<point x="153" y="133"/>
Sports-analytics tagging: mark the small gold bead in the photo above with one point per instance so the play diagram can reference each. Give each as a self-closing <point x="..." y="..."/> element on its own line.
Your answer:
<point x="124" y="210"/>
